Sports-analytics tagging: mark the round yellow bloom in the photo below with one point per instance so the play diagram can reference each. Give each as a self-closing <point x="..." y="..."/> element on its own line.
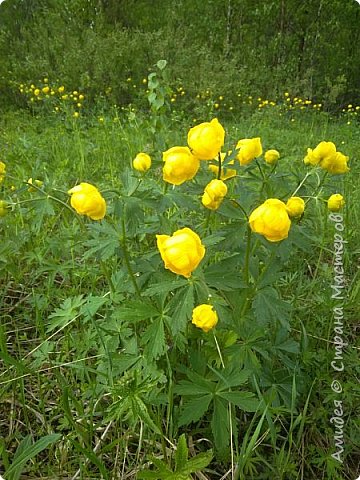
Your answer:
<point x="182" y="252"/>
<point x="214" y="194"/>
<point x="326" y="156"/>
<point x="295" y="206"/>
<point x="36" y="92"/>
<point x="38" y="183"/>
<point x="87" y="200"/>
<point x="81" y="97"/>
<point x="142" y="162"/>
<point x="335" y="202"/>
<point x="76" y="114"/>
<point x="180" y="165"/>
<point x="271" y="220"/>
<point x="61" y="89"/>
<point x="2" y="171"/>
<point x="204" y="317"/>
<point x="336" y="164"/>
<point x="250" y="148"/>
<point x="206" y="139"/>
<point x="3" y="208"/>
<point x="271" y="156"/>
<point x="45" y="89"/>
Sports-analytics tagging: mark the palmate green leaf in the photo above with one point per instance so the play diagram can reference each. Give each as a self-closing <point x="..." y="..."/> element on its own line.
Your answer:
<point x="154" y="338"/>
<point x="230" y="377"/>
<point x="244" y="400"/>
<point x="194" y="409"/>
<point x="268" y="307"/>
<point x="68" y="311"/>
<point x="135" y="311"/>
<point x="26" y="451"/>
<point x="164" y="287"/>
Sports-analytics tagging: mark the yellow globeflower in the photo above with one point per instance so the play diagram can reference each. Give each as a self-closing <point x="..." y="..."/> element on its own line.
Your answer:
<point x="206" y="139"/>
<point x="271" y="156"/>
<point x="87" y="200"/>
<point x="335" y="202"/>
<point x="61" y="89"/>
<point x="81" y="97"/>
<point x="142" y="162"/>
<point x="214" y="194"/>
<point x="204" y="317"/>
<point x="3" y="208"/>
<point x="36" y="92"/>
<point x="249" y="149"/>
<point x="319" y="153"/>
<point x="37" y="183"/>
<point x="180" y="165"/>
<point x="295" y="206"/>
<point x="45" y="89"/>
<point x="271" y="220"/>
<point x="76" y="114"/>
<point x="182" y="252"/>
<point x="336" y="164"/>
<point x="2" y="171"/>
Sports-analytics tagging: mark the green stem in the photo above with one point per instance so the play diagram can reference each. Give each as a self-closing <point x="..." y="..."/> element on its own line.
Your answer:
<point x="241" y="208"/>
<point x="247" y="255"/>
<point x="219" y="351"/>
<point x="219" y="161"/>
<point x="301" y="183"/>
<point x="127" y="257"/>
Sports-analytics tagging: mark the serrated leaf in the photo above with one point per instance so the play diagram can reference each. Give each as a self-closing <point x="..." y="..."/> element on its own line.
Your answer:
<point x="67" y="312"/>
<point x="268" y="307"/>
<point x="244" y="400"/>
<point x="135" y="311"/>
<point x="141" y="410"/>
<point x="181" y="454"/>
<point x="198" y="462"/>
<point x="194" y="409"/>
<point x="154" y="338"/>
<point x="164" y="287"/>
<point x="183" y="312"/>
<point x="92" y="305"/>
<point x="220" y="424"/>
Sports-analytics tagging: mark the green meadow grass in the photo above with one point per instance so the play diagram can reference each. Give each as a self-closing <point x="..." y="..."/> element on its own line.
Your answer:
<point x="50" y="377"/>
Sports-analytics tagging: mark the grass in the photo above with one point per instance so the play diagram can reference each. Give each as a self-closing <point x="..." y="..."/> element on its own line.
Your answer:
<point x="70" y="336"/>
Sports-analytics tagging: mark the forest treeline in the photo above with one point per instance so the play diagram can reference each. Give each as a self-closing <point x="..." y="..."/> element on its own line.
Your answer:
<point x="308" y="48"/>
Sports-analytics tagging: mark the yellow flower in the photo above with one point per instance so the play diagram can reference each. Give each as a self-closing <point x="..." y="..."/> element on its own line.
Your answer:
<point x="206" y="139"/>
<point x="3" y="208"/>
<point x="45" y="89"/>
<point x="271" y="156"/>
<point x="326" y="156"/>
<point x="76" y="114"/>
<point x="204" y="317"/>
<point x="61" y="89"/>
<point x="36" y="92"/>
<point x="180" y="165"/>
<point x="271" y="220"/>
<point x="2" y="171"/>
<point x="214" y="194"/>
<point x="87" y="200"/>
<point x="81" y="97"/>
<point x="182" y="252"/>
<point x="295" y="206"/>
<point x="335" y="202"/>
<point x="250" y="148"/>
<point x="336" y="164"/>
<point x="38" y="183"/>
<point x="142" y="162"/>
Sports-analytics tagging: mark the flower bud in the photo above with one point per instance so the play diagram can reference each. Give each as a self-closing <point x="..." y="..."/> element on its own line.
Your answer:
<point x="142" y="162"/>
<point x="204" y="317"/>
